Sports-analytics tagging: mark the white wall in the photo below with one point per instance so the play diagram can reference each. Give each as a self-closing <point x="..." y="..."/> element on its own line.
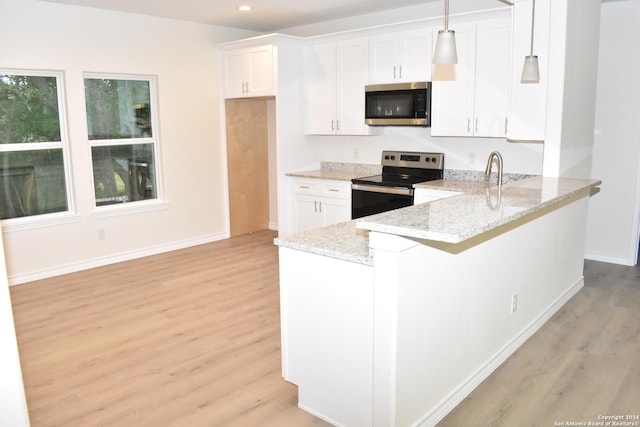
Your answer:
<point x="614" y="213"/>
<point x="573" y="52"/>
<point x="48" y="36"/>
<point x="13" y="405"/>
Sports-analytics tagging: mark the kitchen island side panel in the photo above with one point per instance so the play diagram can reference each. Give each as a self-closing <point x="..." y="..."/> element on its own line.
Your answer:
<point x="326" y="309"/>
<point x="451" y="314"/>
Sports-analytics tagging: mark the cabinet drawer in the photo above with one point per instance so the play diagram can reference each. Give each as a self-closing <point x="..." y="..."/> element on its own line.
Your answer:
<point x="323" y="188"/>
<point x="340" y="190"/>
<point x="307" y="187"/>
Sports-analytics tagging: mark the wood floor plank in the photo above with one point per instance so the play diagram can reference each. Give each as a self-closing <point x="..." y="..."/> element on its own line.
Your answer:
<point x="189" y="338"/>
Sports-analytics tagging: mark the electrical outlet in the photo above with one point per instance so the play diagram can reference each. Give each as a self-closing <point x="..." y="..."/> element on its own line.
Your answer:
<point x="101" y="234"/>
<point x="514" y="303"/>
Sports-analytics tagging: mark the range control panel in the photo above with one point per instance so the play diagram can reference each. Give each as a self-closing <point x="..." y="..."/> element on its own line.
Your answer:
<point x="412" y="159"/>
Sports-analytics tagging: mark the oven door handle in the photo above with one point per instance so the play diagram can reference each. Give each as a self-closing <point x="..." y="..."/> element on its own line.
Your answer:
<point x="387" y="190"/>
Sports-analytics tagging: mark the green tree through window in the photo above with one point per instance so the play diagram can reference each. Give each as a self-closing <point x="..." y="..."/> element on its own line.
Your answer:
<point x="32" y="170"/>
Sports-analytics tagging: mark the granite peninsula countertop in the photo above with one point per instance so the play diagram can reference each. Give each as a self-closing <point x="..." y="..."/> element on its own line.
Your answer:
<point x="479" y="208"/>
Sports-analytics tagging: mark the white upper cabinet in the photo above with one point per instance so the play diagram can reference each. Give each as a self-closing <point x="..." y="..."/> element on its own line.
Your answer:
<point x="527" y="113"/>
<point x="401" y="57"/>
<point x="471" y="98"/>
<point x="336" y="74"/>
<point x="249" y="72"/>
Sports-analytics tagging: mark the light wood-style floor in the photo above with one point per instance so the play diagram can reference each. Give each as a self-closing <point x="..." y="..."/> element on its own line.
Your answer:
<point x="191" y="338"/>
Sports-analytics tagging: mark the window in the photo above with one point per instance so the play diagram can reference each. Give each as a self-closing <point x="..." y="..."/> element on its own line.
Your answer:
<point x="33" y="176"/>
<point x="121" y="131"/>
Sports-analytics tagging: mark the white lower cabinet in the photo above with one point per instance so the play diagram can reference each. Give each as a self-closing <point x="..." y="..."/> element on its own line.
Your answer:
<point x="319" y="202"/>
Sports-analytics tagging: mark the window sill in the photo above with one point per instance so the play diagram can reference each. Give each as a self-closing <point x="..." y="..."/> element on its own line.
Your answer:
<point x="38" y="221"/>
<point x="129" y="208"/>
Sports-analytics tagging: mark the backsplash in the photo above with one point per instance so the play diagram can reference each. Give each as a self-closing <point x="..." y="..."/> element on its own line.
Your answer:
<point x="364" y="168"/>
<point x="478" y="176"/>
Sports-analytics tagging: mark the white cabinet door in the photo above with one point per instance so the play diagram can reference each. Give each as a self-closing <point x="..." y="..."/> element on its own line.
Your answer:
<point x="249" y="72"/>
<point x="452" y="99"/>
<point x="236" y="63"/>
<point x="320" y="203"/>
<point x="474" y="101"/>
<point x="527" y="112"/>
<point x="336" y="76"/>
<point x="384" y="59"/>
<point x="335" y="211"/>
<point x="493" y="74"/>
<point x="306" y="213"/>
<point x="320" y="72"/>
<point x="401" y="57"/>
<point x="261" y="71"/>
<point x="351" y="77"/>
<point x="416" y="54"/>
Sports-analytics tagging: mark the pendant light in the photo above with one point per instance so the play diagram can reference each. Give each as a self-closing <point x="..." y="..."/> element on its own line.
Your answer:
<point x="445" y="52"/>
<point x="531" y="71"/>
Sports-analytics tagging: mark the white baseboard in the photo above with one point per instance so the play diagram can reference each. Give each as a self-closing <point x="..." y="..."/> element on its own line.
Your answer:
<point x="458" y="395"/>
<point x="112" y="259"/>
<point x="609" y="259"/>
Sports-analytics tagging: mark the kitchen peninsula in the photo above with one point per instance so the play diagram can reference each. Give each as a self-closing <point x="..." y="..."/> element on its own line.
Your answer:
<point x="392" y="319"/>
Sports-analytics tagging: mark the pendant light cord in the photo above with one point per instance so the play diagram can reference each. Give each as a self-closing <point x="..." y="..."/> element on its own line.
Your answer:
<point x="533" y="17"/>
<point x="446" y="15"/>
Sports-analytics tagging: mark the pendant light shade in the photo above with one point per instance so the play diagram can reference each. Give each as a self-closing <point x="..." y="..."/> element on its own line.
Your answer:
<point x="531" y="70"/>
<point x="445" y="52"/>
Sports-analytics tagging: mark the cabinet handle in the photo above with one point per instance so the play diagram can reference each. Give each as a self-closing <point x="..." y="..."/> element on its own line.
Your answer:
<point x="337" y="125"/>
<point x="306" y="187"/>
<point x="332" y="129"/>
<point x="401" y="71"/>
<point x="315" y="206"/>
<point x="506" y="125"/>
<point x="394" y="72"/>
<point x="335" y="190"/>
<point x="468" y="125"/>
<point x="476" y="124"/>
<point x="320" y="204"/>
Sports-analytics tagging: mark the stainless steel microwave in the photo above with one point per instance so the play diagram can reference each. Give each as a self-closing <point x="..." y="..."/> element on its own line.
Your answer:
<point x="398" y="104"/>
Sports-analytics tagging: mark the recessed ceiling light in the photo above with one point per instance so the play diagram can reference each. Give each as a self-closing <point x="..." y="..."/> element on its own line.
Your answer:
<point x="244" y="8"/>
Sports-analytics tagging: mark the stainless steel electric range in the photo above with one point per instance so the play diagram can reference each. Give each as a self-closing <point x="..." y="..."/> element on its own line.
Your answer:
<point x="394" y="188"/>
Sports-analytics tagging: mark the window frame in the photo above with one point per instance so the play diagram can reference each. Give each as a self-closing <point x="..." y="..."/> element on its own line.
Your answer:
<point x="139" y="205"/>
<point x="55" y="218"/>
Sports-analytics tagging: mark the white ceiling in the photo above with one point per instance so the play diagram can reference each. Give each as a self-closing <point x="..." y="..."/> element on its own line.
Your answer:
<point x="266" y="16"/>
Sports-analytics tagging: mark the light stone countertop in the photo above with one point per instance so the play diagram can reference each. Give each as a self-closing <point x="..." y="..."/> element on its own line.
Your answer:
<point x="339" y="171"/>
<point x="343" y="241"/>
<point x="329" y="174"/>
<point x="480" y="209"/>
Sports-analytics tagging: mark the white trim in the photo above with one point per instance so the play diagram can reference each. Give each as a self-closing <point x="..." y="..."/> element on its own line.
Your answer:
<point x="459" y="394"/>
<point x="154" y="140"/>
<point x="609" y="259"/>
<point x="38" y="221"/>
<point x="635" y="236"/>
<point x="129" y="208"/>
<point x="107" y="260"/>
